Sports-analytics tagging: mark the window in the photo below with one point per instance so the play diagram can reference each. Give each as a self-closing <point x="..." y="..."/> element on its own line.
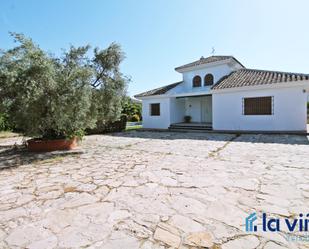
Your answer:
<point x="197" y="81"/>
<point x="155" y="109"/>
<point x="208" y="80"/>
<point x="258" y="106"/>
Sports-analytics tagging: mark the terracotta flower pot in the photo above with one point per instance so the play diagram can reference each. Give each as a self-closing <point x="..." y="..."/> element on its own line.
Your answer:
<point x="187" y="119"/>
<point x="38" y="145"/>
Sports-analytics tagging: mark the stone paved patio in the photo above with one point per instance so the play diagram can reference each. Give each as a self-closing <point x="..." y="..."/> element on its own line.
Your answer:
<point x="153" y="190"/>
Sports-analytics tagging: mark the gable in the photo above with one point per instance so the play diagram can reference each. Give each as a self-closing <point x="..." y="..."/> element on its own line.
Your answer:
<point x="209" y="61"/>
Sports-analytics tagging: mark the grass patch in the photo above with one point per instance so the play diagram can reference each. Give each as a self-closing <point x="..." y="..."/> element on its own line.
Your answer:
<point x="8" y="134"/>
<point x="134" y="127"/>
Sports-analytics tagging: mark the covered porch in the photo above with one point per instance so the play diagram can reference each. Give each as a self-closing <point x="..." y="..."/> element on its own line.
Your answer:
<point x="199" y="108"/>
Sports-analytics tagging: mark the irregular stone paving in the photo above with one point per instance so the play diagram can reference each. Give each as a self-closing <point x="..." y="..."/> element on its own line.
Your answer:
<point x="153" y="190"/>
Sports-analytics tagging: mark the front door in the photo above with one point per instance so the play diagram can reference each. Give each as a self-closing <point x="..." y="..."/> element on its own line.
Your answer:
<point x="206" y="109"/>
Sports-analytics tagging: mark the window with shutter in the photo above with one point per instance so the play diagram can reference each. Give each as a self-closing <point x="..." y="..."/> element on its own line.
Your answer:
<point x="155" y="109"/>
<point x="208" y="80"/>
<point x="258" y="106"/>
<point x="197" y="81"/>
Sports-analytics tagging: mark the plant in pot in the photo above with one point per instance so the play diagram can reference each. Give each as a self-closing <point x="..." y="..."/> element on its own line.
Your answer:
<point x="49" y="98"/>
<point x="187" y="119"/>
<point x="54" y="100"/>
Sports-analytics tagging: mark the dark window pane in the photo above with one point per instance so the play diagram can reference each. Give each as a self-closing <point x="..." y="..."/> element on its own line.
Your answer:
<point x="197" y="81"/>
<point x="155" y="109"/>
<point x="258" y="106"/>
<point x="209" y="80"/>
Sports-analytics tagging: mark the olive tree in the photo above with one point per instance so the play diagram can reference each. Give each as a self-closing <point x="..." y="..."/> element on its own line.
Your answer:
<point x="50" y="97"/>
<point x="109" y="84"/>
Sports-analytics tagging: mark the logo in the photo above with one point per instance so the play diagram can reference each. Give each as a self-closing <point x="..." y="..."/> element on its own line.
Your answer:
<point x="270" y="224"/>
<point x="250" y="227"/>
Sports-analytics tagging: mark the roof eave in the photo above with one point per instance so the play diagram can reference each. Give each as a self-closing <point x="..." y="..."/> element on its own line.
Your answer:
<point x="190" y="68"/>
<point x="151" y="96"/>
<point x="238" y="62"/>
<point x="154" y="92"/>
<point x="210" y="64"/>
<point x="291" y="84"/>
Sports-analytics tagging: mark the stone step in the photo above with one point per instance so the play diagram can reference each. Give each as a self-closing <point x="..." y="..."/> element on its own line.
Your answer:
<point x="190" y="130"/>
<point x="174" y="127"/>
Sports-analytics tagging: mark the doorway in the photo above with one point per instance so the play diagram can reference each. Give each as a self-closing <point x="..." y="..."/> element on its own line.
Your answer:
<point x="206" y="109"/>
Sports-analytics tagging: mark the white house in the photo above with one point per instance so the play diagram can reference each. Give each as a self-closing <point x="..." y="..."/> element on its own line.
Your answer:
<point x="219" y="93"/>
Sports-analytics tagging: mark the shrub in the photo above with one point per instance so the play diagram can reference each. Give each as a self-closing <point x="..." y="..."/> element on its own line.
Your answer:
<point x="124" y="117"/>
<point x="4" y="123"/>
<point x="116" y="126"/>
<point x="135" y="118"/>
<point x="132" y="107"/>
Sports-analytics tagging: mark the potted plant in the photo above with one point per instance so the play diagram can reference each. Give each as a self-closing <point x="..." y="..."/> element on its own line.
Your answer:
<point x="49" y="98"/>
<point x="41" y="145"/>
<point x="54" y="100"/>
<point x="187" y="119"/>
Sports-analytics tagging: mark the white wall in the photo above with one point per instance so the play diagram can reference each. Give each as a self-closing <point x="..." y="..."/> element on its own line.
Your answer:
<point x="290" y="112"/>
<point x="172" y="110"/>
<point x="156" y="122"/>
<point x="193" y="108"/>
<point x="177" y="110"/>
<point x="217" y="71"/>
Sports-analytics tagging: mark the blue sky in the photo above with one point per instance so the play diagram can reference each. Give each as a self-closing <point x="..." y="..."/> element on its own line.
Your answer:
<point x="159" y="35"/>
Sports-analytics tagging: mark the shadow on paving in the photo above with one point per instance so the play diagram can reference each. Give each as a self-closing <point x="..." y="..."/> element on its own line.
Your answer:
<point x="244" y="138"/>
<point x="14" y="156"/>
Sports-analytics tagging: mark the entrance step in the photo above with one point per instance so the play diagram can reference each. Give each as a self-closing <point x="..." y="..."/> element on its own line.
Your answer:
<point x="188" y="127"/>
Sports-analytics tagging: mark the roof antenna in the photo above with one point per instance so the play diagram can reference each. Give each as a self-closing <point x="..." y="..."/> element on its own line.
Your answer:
<point x="213" y="50"/>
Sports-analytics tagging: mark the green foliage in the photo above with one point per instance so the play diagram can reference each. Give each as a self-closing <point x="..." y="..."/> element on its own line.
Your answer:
<point x="132" y="108"/>
<point x="307" y="105"/>
<point x="112" y="126"/>
<point x="109" y="85"/>
<point x="51" y="97"/>
<point x="4" y="123"/>
<point x="135" y="118"/>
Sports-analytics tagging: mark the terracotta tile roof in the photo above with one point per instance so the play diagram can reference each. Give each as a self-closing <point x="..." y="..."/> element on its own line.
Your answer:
<point x="253" y="77"/>
<point x="158" y="91"/>
<point x="210" y="59"/>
